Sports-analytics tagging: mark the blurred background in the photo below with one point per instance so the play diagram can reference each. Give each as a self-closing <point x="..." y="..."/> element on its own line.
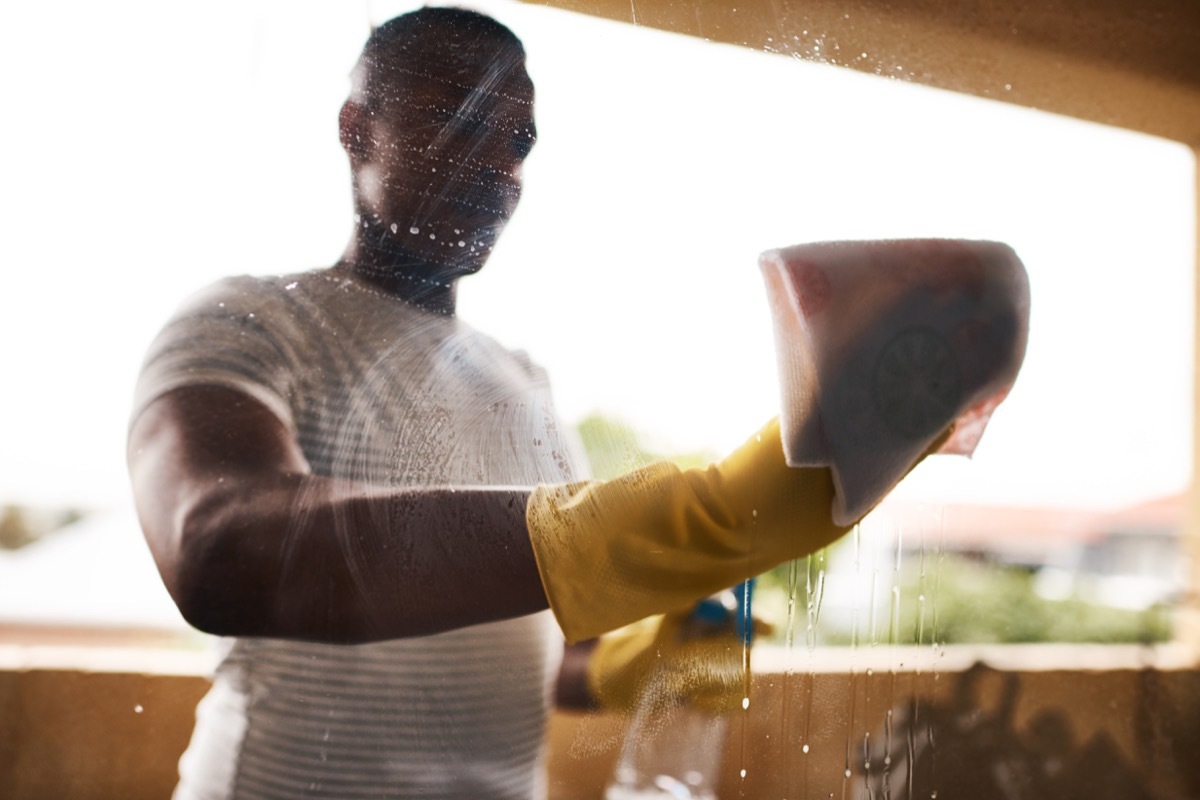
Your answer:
<point x="156" y="147"/>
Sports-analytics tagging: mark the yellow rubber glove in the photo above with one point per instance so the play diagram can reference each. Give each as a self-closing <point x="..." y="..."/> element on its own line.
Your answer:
<point x="658" y="539"/>
<point x="674" y="657"/>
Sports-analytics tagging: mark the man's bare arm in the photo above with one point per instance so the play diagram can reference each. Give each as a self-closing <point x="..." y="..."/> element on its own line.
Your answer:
<point x="250" y="542"/>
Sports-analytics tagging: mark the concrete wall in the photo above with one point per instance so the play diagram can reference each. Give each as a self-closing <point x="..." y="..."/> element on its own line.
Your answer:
<point x="76" y="734"/>
<point x="1061" y="733"/>
<point x="1121" y="733"/>
<point x="1129" y="63"/>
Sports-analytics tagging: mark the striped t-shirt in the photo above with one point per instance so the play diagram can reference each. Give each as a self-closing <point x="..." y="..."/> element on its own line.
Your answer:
<point x="380" y="392"/>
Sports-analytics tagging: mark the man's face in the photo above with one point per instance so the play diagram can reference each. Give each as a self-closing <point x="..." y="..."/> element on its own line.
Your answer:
<point x="441" y="169"/>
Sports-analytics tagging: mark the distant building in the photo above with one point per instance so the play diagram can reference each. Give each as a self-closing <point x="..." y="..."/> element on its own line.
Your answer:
<point x="1132" y="558"/>
<point x="92" y="581"/>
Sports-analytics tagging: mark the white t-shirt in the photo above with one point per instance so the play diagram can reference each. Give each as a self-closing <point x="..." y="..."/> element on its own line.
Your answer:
<point x="381" y="392"/>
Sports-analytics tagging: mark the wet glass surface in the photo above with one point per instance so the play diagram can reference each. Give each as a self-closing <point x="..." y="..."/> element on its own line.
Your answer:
<point x="161" y="153"/>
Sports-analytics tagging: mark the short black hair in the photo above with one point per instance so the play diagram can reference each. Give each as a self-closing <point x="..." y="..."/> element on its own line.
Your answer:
<point x="462" y="41"/>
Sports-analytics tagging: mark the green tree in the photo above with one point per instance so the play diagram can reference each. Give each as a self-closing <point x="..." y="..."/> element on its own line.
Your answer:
<point x="15" y="531"/>
<point x="955" y="600"/>
<point x="21" y="526"/>
<point x="613" y="447"/>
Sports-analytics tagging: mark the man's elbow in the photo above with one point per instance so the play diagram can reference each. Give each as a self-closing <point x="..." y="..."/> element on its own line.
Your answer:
<point x="200" y="607"/>
<point x="201" y="602"/>
<point x="207" y="575"/>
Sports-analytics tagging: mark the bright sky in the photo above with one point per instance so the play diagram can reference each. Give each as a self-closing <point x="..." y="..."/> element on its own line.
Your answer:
<point x="154" y="147"/>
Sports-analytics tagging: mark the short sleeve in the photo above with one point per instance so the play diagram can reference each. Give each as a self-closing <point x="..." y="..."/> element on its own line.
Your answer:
<point x="238" y="333"/>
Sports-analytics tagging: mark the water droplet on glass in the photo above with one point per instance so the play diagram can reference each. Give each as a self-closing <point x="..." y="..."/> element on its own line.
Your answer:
<point x="743" y="772"/>
<point x="745" y="703"/>
<point x="461" y="243"/>
<point x="138" y="709"/>
<point x="433" y="236"/>
<point x="847" y="772"/>
<point x="804" y="749"/>
<point x="395" y="227"/>
<point x="291" y="286"/>
<point x="414" y="230"/>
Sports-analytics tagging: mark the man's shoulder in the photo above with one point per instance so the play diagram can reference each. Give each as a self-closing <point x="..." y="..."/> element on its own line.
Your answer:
<point x="527" y="364"/>
<point x="234" y="287"/>
<point x="249" y="295"/>
<point x="517" y="358"/>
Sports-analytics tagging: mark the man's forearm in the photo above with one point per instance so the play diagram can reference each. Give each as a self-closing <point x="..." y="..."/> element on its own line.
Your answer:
<point x="310" y="558"/>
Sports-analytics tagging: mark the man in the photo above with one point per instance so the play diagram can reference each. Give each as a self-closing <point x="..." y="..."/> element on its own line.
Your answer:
<point x="319" y="463"/>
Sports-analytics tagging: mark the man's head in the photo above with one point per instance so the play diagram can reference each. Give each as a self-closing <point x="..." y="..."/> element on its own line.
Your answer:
<point x="438" y="123"/>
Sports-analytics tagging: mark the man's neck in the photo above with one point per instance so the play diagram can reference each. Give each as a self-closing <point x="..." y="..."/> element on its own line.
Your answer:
<point x="432" y="295"/>
<point x="378" y="260"/>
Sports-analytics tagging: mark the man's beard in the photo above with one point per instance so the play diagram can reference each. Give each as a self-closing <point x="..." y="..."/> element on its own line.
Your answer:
<point x="479" y="203"/>
<point x="441" y="248"/>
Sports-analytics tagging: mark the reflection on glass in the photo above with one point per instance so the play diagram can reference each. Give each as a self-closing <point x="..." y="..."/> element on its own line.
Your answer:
<point x="629" y="273"/>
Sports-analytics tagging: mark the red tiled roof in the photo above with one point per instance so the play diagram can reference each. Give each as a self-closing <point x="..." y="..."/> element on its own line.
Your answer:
<point x="1028" y="529"/>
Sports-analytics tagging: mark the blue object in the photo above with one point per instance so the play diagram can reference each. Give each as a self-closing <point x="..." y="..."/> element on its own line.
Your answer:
<point x="744" y="624"/>
<point x="717" y="609"/>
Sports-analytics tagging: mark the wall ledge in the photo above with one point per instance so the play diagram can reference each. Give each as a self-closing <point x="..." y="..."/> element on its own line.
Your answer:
<point x="198" y="658"/>
<point x="957" y="658"/>
<point x="192" y="661"/>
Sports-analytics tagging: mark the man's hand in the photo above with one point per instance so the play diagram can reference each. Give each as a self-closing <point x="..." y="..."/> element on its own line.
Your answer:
<point x="658" y="539"/>
<point x="670" y="659"/>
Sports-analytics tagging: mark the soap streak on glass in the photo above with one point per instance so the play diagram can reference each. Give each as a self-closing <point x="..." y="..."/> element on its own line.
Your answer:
<point x="893" y="633"/>
<point x="746" y="628"/>
<point x="884" y="756"/>
<point x="789" y="633"/>
<point x="853" y="673"/>
<point x="814" y="566"/>
<point x="815" y="591"/>
<point x="816" y="595"/>
<point x="939" y="522"/>
<point x="910" y="744"/>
